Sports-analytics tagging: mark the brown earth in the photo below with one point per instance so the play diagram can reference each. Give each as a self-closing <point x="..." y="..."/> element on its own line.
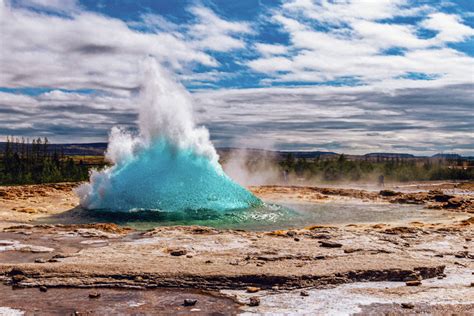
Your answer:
<point x="109" y="256"/>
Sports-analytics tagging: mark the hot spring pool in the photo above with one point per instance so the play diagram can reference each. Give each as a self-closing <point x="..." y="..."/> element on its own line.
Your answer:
<point x="275" y="216"/>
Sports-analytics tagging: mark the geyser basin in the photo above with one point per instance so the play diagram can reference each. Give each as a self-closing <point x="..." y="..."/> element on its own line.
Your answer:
<point x="272" y="216"/>
<point x="170" y="165"/>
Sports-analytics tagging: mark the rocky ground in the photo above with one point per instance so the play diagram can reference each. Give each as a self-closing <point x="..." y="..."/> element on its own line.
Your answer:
<point x="382" y="268"/>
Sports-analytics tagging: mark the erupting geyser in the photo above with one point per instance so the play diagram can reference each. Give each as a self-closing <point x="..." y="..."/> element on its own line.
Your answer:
<point x="171" y="165"/>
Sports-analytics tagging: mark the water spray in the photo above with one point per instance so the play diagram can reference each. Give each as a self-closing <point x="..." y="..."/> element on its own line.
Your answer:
<point x="170" y="165"/>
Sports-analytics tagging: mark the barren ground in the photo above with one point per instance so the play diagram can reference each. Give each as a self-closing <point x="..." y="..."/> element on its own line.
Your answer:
<point x="349" y="268"/>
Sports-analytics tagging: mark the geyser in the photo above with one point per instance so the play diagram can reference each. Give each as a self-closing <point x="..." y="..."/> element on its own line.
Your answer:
<point x="170" y="165"/>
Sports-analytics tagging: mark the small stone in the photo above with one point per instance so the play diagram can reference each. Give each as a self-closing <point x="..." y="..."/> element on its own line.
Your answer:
<point x="60" y="256"/>
<point x="439" y="255"/>
<point x="408" y="305"/>
<point x="94" y="295"/>
<point x="291" y="233"/>
<point x="320" y="257"/>
<point x="412" y="277"/>
<point x="178" y="252"/>
<point x="40" y="260"/>
<point x="189" y="256"/>
<point x="472" y="284"/>
<point x="329" y="244"/>
<point x="18" y="278"/>
<point x="254" y="301"/>
<point x="208" y="261"/>
<point x="461" y="254"/>
<point x="190" y="302"/>
<point x="54" y="260"/>
<point x="252" y="289"/>
<point x="304" y="293"/>
<point x="43" y="288"/>
<point x="296" y="239"/>
<point x="413" y="283"/>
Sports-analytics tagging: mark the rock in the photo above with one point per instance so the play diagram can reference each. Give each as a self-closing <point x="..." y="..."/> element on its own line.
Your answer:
<point x="189" y="302"/>
<point x="94" y="295"/>
<point x="252" y="289"/>
<point x="43" y="288"/>
<point x="388" y="193"/>
<point x="455" y="202"/>
<point x="304" y="293"/>
<point x="329" y="244"/>
<point x="320" y="257"/>
<point x="178" y="252"/>
<point x="291" y="233"/>
<point x="296" y="239"/>
<point x="189" y="256"/>
<point x="408" y="305"/>
<point x="321" y="236"/>
<point x="412" y="277"/>
<point x="18" y="278"/>
<point x="254" y="301"/>
<point x="413" y="283"/>
<point x="40" y="260"/>
<point x="441" y="197"/>
<point x="461" y="254"/>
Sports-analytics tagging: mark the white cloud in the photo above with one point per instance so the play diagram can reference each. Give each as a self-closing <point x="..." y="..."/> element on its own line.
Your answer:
<point x="271" y="49"/>
<point x="89" y="50"/>
<point x="214" y="33"/>
<point x="449" y="26"/>
<point x="347" y="39"/>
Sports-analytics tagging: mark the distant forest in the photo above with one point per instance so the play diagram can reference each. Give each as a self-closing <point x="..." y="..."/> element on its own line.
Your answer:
<point x="394" y="169"/>
<point x="24" y="162"/>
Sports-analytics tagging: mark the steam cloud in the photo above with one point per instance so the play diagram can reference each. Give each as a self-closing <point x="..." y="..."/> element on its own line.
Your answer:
<point x="171" y="165"/>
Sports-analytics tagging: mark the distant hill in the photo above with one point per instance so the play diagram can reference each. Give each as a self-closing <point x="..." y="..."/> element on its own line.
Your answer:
<point x="389" y="155"/>
<point x="91" y="149"/>
<point x="98" y="149"/>
<point x="447" y="156"/>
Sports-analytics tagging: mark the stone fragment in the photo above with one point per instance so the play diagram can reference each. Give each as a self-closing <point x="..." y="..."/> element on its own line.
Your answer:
<point x="408" y="305"/>
<point x="252" y="289"/>
<point x="329" y="244"/>
<point x="189" y="302"/>
<point x="254" y="301"/>
<point x="178" y="252"/>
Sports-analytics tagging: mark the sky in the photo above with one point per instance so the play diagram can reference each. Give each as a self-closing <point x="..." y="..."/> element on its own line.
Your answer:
<point x="350" y="76"/>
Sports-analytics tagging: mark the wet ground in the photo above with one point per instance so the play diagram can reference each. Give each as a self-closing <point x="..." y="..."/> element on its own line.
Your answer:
<point x="107" y="301"/>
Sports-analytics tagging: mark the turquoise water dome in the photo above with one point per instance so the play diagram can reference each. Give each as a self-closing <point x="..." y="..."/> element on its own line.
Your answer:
<point x="162" y="177"/>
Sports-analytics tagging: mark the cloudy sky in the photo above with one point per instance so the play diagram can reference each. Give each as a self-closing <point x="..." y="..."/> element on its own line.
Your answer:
<point x="352" y="76"/>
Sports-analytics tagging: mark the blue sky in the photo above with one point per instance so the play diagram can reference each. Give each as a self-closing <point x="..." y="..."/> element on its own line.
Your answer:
<point x="353" y="76"/>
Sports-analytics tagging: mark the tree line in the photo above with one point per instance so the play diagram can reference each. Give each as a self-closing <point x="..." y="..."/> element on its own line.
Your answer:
<point x="397" y="170"/>
<point x="25" y="162"/>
